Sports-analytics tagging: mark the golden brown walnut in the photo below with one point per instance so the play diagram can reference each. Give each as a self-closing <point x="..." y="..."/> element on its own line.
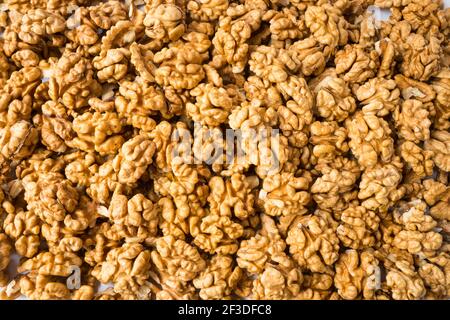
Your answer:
<point x="404" y="282"/>
<point x="230" y="39"/>
<point x="334" y="100"/>
<point x="18" y="109"/>
<point x="84" y="293"/>
<point x="98" y="131"/>
<point x="210" y="147"/>
<point x="358" y="227"/>
<point x="433" y="191"/>
<point x="4" y="69"/>
<point x="21" y="83"/>
<point x="22" y="224"/>
<point x="176" y="101"/>
<point x="388" y="53"/>
<point x="232" y="196"/>
<point x="142" y="60"/>
<point x="25" y="58"/>
<point x="112" y="65"/>
<point x="284" y="25"/>
<point x="212" y="105"/>
<point x="41" y="287"/>
<point x="219" y="278"/>
<point x="313" y="242"/>
<point x="413" y="89"/>
<point x="27" y="246"/>
<point x="419" y="160"/>
<point x="180" y="67"/>
<point x="262" y="89"/>
<point x="41" y="94"/>
<point x="276" y="283"/>
<point x="439" y="144"/>
<point x="308" y="55"/>
<point x="103" y="182"/>
<point x="162" y="136"/>
<point x="251" y="115"/>
<point x="329" y="140"/>
<point x="370" y="139"/>
<point x="138" y="98"/>
<point x="284" y="194"/>
<point x="440" y="210"/>
<point x="11" y="290"/>
<point x="180" y="181"/>
<point x="79" y="169"/>
<point x="182" y="209"/>
<point x="121" y="35"/>
<point x="434" y="279"/>
<point x="391" y="3"/>
<point x="207" y="10"/>
<point x="107" y="294"/>
<point x="378" y="96"/>
<point x="38" y="24"/>
<point x="181" y="261"/>
<point x="164" y="22"/>
<point x="218" y="234"/>
<point x="133" y="159"/>
<point x="72" y="81"/>
<point x="367" y="33"/>
<point x="19" y="140"/>
<point x="357" y="274"/>
<point x="418" y="235"/>
<point x="327" y="26"/>
<point x="128" y="266"/>
<point x="356" y="64"/>
<point x="48" y="264"/>
<point x="319" y="287"/>
<point x="405" y="286"/>
<point x="55" y="128"/>
<point x="107" y="14"/>
<point x="423" y="15"/>
<point x="412" y="121"/>
<point x="378" y="188"/>
<point x="136" y="218"/>
<point x="50" y="196"/>
<point x="5" y="255"/>
<point x="420" y="56"/>
<point x="273" y="64"/>
<point x="269" y="153"/>
<point x="298" y="112"/>
<point x="173" y="291"/>
<point x="335" y="187"/>
<point x="258" y="252"/>
<point x="441" y="86"/>
<point x="443" y="262"/>
<point x="83" y="36"/>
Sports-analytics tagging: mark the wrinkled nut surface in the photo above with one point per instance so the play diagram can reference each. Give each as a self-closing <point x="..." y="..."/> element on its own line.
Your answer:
<point x="96" y="188"/>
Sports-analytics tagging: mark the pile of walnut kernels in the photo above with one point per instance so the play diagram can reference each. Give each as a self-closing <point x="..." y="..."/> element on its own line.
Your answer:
<point x="91" y="91"/>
